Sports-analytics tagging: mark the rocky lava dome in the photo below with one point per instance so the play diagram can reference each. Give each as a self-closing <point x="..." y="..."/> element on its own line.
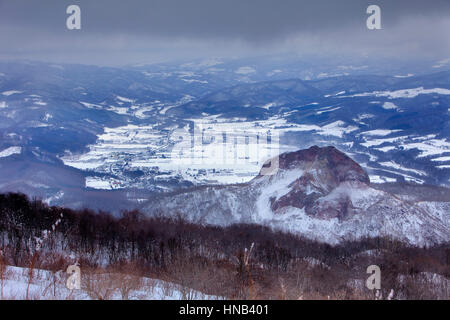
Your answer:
<point x="323" y="170"/>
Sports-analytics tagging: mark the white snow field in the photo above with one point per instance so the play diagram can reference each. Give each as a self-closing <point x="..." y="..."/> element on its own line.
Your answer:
<point x="16" y="284"/>
<point x="10" y="151"/>
<point x="404" y="93"/>
<point x="240" y="156"/>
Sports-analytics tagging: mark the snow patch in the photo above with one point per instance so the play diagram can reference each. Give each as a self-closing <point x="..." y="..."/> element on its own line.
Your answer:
<point x="404" y="93"/>
<point x="245" y="70"/>
<point x="390" y="106"/>
<point x="379" y="132"/>
<point x="123" y="99"/>
<point x="10" y="151"/>
<point x="10" y="92"/>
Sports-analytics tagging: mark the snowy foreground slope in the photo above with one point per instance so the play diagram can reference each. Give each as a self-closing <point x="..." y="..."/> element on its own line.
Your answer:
<point x="319" y="193"/>
<point x="16" y="284"/>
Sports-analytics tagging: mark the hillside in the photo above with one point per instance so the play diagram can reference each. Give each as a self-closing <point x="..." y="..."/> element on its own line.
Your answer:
<point x="119" y="256"/>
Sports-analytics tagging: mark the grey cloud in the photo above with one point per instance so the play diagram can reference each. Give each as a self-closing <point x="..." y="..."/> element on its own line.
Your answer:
<point x="171" y="27"/>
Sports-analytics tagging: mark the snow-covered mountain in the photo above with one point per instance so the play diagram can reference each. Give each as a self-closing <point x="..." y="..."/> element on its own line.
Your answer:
<point x="319" y="193"/>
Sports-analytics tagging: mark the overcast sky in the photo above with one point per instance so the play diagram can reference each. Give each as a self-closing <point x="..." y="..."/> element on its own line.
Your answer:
<point x="119" y="32"/>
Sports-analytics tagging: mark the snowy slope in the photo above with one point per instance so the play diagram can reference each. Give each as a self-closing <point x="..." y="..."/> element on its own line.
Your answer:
<point x="46" y="285"/>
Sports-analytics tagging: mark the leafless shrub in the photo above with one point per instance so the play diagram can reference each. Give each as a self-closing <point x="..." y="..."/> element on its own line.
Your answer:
<point x="2" y="274"/>
<point x="127" y="283"/>
<point x="98" y="285"/>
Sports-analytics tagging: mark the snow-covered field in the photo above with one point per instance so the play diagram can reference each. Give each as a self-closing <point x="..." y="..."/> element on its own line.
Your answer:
<point x="404" y="93"/>
<point x="10" y="151"/>
<point x="17" y="284"/>
<point x="216" y="150"/>
<point x="220" y="150"/>
<point x="10" y="92"/>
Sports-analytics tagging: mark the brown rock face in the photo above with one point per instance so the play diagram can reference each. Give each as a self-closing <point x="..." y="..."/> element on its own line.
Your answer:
<point x="340" y="166"/>
<point x="324" y="170"/>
